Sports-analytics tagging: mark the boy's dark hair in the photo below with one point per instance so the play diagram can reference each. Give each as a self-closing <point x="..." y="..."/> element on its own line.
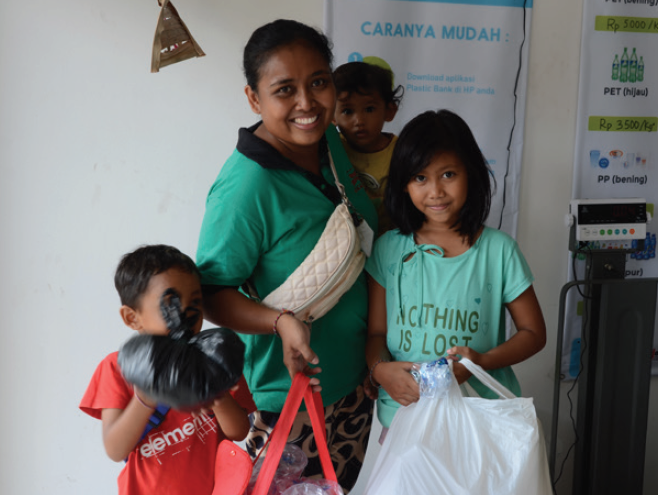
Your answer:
<point x="282" y="32"/>
<point x="364" y="78"/>
<point x="136" y="269"/>
<point x="421" y="139"/>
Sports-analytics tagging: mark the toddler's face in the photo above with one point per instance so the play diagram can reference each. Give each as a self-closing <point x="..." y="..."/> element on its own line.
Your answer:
<point x="361" y="118"/>
<point x="186" y="285"/>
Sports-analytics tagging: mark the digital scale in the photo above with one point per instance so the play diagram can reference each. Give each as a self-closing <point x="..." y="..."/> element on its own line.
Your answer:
<point x="617" y="317"/>
<point x="608" y="219"/>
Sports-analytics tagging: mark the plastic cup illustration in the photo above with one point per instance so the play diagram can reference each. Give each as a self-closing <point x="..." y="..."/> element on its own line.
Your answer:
<point x="616" y="156"/>
<point x="630" y="160"/>
<point x="594" y="157"/>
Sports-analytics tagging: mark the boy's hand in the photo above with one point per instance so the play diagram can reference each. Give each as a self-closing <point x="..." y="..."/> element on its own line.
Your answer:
<point x="231" y="417"/>
<point x="144" y="399"/>
<point x="216" y="404"/>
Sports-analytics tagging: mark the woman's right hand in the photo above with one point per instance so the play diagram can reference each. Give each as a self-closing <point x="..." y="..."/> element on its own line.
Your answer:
<point x="297" y="353"/>
<point x="396" y="378"/>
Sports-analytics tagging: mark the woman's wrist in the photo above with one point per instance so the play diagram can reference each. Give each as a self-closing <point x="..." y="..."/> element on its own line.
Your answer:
<point x="283" y="313"/>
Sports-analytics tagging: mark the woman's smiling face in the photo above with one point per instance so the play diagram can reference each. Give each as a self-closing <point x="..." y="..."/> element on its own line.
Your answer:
<point x="295" y="98"/>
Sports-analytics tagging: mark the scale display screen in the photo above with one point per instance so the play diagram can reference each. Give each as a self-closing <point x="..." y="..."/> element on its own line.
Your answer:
<point x="614" y="219"/>
<point x="595" y="214"/>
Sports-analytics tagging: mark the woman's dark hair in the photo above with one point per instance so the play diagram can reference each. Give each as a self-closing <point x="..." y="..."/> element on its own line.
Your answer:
<point x="136" y="269"/>
<point x="425" y="136"/>
<point x="270" y="37"/>
<point x="364" y="78"/>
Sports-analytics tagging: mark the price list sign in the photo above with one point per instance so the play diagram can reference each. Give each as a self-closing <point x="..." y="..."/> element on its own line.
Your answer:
<point x="616" y="153"/>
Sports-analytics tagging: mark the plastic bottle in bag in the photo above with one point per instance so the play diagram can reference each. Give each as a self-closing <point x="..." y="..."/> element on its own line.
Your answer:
<point x="433" y="378"/>
<point x="315" y="487"/>
<point x="290" y="468"/>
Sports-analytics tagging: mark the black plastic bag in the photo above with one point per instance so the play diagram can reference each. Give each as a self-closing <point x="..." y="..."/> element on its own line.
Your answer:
<point x="182" y="370"/>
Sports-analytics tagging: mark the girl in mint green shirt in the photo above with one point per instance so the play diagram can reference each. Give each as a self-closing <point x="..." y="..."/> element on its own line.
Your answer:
<point x="440" y="283"/>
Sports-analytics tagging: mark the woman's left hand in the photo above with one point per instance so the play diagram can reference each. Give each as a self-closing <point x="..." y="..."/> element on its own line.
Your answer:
<point x="297" y="353"/>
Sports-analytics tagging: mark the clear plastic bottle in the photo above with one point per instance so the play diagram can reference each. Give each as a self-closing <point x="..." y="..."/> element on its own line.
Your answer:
<point x="615" y="68"/>
<point x="640" y="70"/>
<point x="632" y="67"/>
<point x="623" y="66"/>
<point x="433" y="378"/>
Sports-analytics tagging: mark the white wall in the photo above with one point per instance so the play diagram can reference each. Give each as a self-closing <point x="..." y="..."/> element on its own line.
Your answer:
<point x="99" y="156"/>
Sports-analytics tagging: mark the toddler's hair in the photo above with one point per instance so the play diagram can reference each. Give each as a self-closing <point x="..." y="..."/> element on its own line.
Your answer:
<point x="269" y="37"/>
<point x="364" y="78"/>
<point x="136" y="269"/>
<point x="424" y="137"/>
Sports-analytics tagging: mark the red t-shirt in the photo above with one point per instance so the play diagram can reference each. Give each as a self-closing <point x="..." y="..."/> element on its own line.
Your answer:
<point x="177" y="457"/>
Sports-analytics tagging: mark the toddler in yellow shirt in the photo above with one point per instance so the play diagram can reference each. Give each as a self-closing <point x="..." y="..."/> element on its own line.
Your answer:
<point x="367" y="99"/>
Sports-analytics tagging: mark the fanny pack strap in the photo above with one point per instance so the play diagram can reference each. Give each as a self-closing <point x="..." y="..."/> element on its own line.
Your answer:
<point x="339" y="185"/>
<point x="247" y="287"/>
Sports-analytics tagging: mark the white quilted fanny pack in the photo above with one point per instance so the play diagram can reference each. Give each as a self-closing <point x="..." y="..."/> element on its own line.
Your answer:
<point x="329" y="270"/>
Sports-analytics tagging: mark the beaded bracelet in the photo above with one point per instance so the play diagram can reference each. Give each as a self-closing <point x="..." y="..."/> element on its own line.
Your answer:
<point x="283" y="312"/>
<point x="372" y="380"/>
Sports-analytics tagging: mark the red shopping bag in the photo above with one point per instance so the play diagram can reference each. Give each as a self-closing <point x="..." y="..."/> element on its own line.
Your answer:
<point x="233" y="467"/>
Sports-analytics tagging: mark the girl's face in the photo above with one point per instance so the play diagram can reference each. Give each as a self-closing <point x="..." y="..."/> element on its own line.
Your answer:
<point x="295" y="98"/>
<point x="440" y="190"/>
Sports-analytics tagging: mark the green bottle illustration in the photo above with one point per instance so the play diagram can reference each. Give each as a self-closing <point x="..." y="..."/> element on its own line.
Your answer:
<point x="640" y="70"/>
<point x="623" y="66"/>
<point x="632" y="67"/>
<point x="615" y="68"/>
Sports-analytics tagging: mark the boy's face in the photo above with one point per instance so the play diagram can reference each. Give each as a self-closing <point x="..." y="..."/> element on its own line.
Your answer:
<point x="148" y="318"/>
<point x="361" y="117"/>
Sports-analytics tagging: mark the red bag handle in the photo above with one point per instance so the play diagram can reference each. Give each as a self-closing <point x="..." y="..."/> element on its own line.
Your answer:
<point x="299" y="390"/>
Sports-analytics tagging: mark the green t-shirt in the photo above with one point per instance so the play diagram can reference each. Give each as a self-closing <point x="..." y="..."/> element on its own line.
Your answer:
<point x="263" y="217"/>
<point x="435" y="303"/>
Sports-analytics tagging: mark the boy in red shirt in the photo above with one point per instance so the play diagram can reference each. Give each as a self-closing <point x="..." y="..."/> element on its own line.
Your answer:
<point x="178" y="456"/>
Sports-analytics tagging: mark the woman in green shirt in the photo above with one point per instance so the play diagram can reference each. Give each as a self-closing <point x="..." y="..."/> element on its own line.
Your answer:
<point x="264" y="214"/>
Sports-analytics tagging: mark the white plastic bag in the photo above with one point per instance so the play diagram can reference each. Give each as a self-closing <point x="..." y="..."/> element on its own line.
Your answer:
<point x="464" y="446"/>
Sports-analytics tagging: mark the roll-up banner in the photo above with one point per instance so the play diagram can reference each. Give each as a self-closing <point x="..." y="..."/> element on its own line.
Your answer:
<point x="616" y="151"/>
<point x="469" y="56"/>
